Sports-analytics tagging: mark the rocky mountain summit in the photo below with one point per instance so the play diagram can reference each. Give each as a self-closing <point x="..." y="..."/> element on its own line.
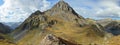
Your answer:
<point x="63" y="10"/>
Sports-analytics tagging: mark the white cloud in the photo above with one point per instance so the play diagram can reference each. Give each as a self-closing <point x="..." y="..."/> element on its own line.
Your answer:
<point x="18" y="10"/>
<point x="97" y="8"/>
<point x="112" y="9"/>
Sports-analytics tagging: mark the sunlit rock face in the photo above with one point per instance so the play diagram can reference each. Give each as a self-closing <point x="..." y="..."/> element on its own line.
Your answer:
<point x="53" y="40"/>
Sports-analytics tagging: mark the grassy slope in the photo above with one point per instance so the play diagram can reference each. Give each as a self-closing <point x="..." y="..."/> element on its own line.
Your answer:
<point x="67" y="30"/>
<point x="71" y="32"/>
<point x="33" y="37"/>
<point x="6" y="40"/>
<point x="114" y="40"/>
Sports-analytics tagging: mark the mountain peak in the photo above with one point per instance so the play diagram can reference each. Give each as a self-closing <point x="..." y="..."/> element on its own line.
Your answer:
<point x="61" y="0"/>
<point x="62" y="6"/>
<point x="64" y="10"/>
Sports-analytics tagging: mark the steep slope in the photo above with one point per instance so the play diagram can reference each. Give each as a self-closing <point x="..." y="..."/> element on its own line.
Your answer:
<point x="113" y="27"/>
<point x="62" y="21"/>
<point x="63" y="11"/>
<point x="43" y="19"/>
<point x="34" y="21"/>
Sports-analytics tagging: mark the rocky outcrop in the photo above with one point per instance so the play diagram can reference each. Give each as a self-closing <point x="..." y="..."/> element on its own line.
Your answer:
<point x="50" y="40"/>
<point x="53" y="40"/>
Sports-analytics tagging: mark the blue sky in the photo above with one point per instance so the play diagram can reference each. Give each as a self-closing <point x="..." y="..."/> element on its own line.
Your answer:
<point x="1" y="2"/>
<point x="19" y="10"/>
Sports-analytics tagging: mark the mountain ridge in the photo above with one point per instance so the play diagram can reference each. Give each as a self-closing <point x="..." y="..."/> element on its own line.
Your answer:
<point x="63" y="22"/>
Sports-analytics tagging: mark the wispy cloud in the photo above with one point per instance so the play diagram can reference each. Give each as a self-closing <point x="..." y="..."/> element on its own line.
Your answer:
<point x="97" y="8"/>
<point x="111" y="9"/>
<point x="18" y="10"/>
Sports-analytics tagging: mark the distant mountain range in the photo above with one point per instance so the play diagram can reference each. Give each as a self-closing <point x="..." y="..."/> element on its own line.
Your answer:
<point x="105" y="21"/>
<point x="111" y="26"/>
<point x="12" y="25"/>
<point x="4" y="29"/>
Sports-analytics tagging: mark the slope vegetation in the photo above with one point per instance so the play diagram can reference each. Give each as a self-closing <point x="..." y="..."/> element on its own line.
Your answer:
<point x="63" y="22"/>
